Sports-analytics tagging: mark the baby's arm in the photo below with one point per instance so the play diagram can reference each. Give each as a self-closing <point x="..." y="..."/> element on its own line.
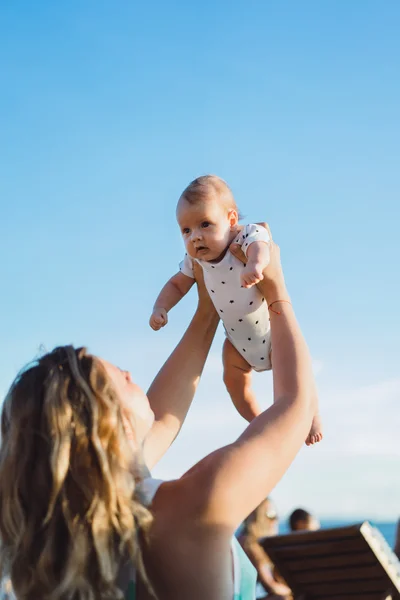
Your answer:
<point x="257" y="260"/>
<point x="172" y="292"/>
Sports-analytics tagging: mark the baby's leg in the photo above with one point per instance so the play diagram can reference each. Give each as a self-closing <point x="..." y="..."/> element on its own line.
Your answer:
<point x="237" y="378"/>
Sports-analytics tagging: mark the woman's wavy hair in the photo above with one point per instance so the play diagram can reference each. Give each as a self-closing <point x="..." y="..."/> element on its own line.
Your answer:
<point x="70" y="510"/>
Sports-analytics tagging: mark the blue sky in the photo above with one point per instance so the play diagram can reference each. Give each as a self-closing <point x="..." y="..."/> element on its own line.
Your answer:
<point x="108" y="110"/>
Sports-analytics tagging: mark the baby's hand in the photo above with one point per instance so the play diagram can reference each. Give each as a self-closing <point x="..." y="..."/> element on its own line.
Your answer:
<point x="252" y="274"/>
<point x="158" y="319"/>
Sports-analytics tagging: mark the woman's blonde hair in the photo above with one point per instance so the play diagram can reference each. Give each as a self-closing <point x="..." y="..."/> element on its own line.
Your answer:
<point x="70" y="514"/>
<point x="209" y="185"/>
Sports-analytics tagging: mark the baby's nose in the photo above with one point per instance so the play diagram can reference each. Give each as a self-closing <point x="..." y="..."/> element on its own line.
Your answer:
<point x="196" y="235"/>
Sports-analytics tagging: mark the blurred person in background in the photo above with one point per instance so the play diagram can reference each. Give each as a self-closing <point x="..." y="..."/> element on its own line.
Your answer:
<point x="263" y="522"/>
<point x="302" y="520"/>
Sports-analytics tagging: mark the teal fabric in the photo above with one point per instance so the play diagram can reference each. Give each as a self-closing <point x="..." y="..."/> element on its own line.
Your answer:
<point x="248" y="575"/>
<point x="131" y="592"/>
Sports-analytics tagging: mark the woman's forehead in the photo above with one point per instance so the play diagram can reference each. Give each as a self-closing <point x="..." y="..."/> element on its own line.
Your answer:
<point x="109" y="367"/>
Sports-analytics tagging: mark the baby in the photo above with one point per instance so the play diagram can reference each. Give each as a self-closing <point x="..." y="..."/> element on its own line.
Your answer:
<point x="208" y="217"/>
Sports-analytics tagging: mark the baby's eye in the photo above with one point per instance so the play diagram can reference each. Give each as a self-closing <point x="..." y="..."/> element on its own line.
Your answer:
<point x="205" y="224"/>
<point x="186" y="230"/>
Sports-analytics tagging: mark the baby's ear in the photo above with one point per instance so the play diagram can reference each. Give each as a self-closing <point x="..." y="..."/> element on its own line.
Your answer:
<point x="233" y="218"/>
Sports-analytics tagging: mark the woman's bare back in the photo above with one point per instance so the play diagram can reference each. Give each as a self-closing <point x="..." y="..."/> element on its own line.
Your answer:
<point x="185" y="560"/>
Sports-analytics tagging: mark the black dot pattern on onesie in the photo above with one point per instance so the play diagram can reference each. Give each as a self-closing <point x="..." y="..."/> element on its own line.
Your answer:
<point x="263" y="341"/>
<point x="220" y="310"/>
<point x="213" y="291"/>
<point x="249" y="339"/>
<point x="261" y="358"/>
<point x="244" y="349"/>
<point x="250" y="303"/>
<point x="256" y="321"/>
<point x="212" y="266"/>
<point x="231" y="268"/>
<point x="232" y="329"/>
<point x="240" y="320"/>
<point x="231" y="301"/>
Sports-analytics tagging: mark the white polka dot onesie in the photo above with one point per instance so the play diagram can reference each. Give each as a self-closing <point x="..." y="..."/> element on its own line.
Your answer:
<point x="244" y="311"/>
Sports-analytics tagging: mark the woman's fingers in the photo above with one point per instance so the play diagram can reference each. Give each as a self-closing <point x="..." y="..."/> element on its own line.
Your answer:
<point x="204" y="297"/>
<point x="266" y="226"/>
<point x="237" y="251"/>
<point x="198" y="273"/>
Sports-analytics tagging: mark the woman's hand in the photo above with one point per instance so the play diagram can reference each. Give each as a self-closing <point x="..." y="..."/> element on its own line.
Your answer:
<point x="273" y="285"/>
<point x="205" y="302"/>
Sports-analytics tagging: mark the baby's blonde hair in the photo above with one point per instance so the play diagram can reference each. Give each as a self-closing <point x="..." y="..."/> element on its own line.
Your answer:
<point x="206" y="186"/>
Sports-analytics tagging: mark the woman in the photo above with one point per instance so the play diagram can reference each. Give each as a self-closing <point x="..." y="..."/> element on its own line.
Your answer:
<point x="261" y="523"/>
<point x="78" y="516"/>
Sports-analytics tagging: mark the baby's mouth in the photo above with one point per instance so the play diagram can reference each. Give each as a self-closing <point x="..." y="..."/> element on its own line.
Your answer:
<point x="201" y="249"/>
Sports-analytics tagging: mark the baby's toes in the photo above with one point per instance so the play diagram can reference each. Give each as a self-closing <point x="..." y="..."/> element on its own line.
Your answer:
<point x="311" y="439"/>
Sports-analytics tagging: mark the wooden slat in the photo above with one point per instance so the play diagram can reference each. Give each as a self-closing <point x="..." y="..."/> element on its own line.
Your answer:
<point x="360" y="596"/>
<point x="316" y="550"/>
<point x="344" y="587"/>
<point x="320" y="535"/>
<point x="329" y="575"/>
<point x="341" y="560"/>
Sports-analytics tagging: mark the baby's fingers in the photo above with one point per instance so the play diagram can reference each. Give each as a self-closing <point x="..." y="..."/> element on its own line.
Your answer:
<point x="154" y="325"/>
<point x="157" y="322"/>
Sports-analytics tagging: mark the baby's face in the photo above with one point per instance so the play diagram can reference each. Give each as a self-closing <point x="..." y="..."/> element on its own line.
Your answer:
<point x="207" y="228"/>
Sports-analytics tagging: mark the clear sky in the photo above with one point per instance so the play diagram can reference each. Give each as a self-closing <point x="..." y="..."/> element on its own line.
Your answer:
<point x="109" y="109"/>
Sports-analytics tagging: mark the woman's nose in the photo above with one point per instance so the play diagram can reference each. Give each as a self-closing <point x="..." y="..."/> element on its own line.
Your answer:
<point x="128" y="376"/>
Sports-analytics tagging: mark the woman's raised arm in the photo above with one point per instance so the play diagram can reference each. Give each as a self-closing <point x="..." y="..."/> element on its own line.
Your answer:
<point x="242" y="474"/>
<point x="173" y="389"/>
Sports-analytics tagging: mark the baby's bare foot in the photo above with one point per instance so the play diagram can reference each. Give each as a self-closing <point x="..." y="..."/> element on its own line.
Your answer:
<point x="315" y="434"/>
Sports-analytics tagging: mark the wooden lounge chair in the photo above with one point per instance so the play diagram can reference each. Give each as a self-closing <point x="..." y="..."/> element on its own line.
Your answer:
<point x="346" y="563"/>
